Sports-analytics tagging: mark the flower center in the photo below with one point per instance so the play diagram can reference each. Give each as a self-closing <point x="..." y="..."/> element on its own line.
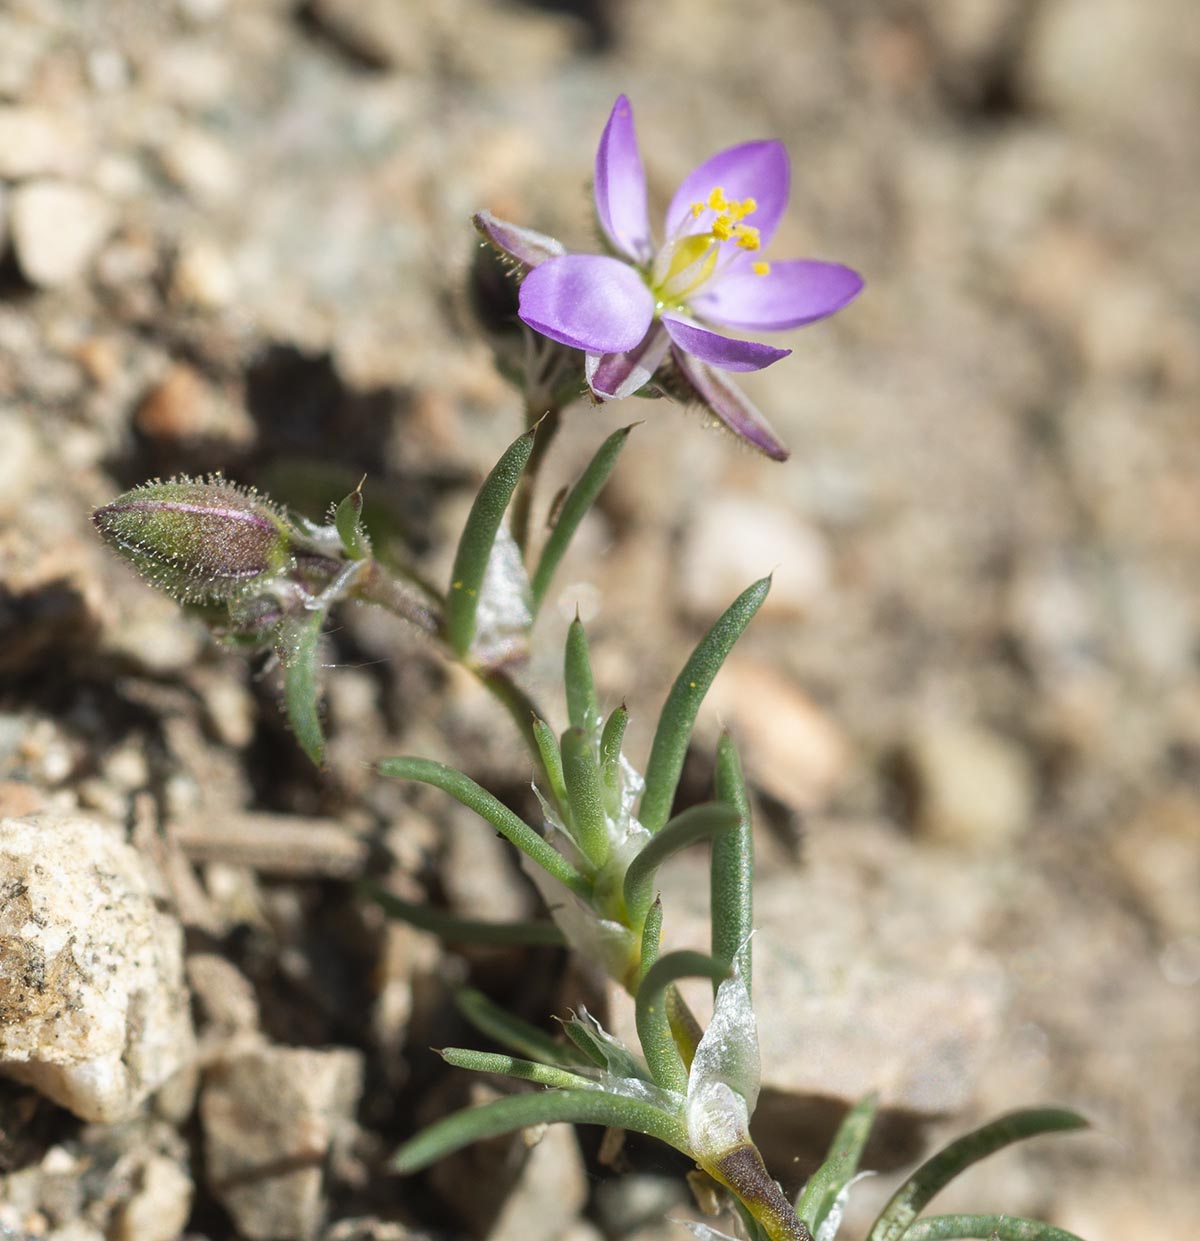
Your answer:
<point x="688" y="260"/>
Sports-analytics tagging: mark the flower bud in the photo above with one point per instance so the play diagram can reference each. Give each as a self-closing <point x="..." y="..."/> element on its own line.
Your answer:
<point x="200" y="541"/>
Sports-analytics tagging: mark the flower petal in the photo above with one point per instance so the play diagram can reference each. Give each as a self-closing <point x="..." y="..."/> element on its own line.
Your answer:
<point x="791" y="294"/>
<point x="758" y="170"/>
<point x="614" y="376"/>
<point x="587" y="301"/>
<point x="718" y="350"/>
<point x="731" y="405"/>
<point x="522" y="244"/>
<point x="620" y="185"/>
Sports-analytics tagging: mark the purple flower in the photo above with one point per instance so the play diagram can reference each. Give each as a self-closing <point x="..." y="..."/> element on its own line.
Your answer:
<point x="628" y="310"/>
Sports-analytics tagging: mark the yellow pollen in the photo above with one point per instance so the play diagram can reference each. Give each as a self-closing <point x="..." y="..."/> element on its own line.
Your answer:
<point x="716" y="200"/>
<point x="746" y="236"/>
<point x="762" y="269"/>
<point x="723" y="228"/>
<point x="698" y="209"/>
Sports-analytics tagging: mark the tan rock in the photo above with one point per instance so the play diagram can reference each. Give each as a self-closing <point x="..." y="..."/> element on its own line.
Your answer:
<point x="158" y="1209"/>
<point x="94" y="1010"/>
<point x="57" y="229"/>
<point x="38" y="142"/>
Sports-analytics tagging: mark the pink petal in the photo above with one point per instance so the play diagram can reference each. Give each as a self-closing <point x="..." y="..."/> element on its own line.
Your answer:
<point x="614" y="376"/>
<point x="587" y="301"/>
<point x="522" y="244"/>
<point x="731" y="405"/>
<point x="722" y="351"/>
<point x="620" y="185"/>
<point x="791" y="294"/>
<point x="758" y="170"/>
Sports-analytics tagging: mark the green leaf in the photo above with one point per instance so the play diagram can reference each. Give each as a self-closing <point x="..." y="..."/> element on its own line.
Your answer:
<point x="510" y="1066"/>
<point x="547" y="744"/>
<point x="475" y="545"/>
<point x="463" y="789"/>
<point x="841" y="1163"/>
<point x="653" y="1025"/>
<point x="732" y="874"/>
<point x="581" y="1107"/>
<point x="347" y="520"/>
<point x="910" y="1199"/>
<point x="582" y="710"/>
<point x="586" y="1041"/>
<point x="575" y="506"/>
<point x="584" y="797"/>
<point x="704" y="822"/>
<point x="652" y="935"/>
<point x="298" y="646"/>
<point x="464" y="930"/>
<point x="1001" y="1227"/>
<point x="610" y="757"/>
<point x="679" y="713"/>
<point x="509" y="1031"/>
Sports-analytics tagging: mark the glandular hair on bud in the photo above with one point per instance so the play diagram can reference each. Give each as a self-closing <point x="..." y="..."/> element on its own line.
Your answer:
<point x="201" y="540"/>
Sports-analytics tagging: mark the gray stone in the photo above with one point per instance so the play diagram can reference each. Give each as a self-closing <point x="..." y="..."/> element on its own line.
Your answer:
<point x="57" y="229"/>
<point x="271" y="1118"/>
<point x="159" y="1207"/>
<point x="94" y="1009"/>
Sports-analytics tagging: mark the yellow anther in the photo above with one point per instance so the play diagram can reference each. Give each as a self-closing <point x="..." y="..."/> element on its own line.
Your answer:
<point x="723" y="228"/>
<point x="698" y="209"/>
<point x="762" y="269"/>
<point x="716" y="200"/>
<point x="746" y="236"/>
<point x="748" y="206"/>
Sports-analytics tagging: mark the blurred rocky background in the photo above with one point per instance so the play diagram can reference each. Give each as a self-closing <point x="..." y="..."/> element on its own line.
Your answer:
<point x="233" y="235"/>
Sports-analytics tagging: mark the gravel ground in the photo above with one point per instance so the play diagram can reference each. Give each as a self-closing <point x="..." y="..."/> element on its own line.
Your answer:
<point x="233" y="236"/>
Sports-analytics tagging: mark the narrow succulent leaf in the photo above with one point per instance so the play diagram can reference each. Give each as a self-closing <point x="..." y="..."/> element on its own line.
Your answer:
<point x="580" y="498"/>
<point x="732" y="873"/>
<point x="586" y="1041"/>
<point x="652" y="935"/>
<point x="463" y="789"/>
<point x="475" y="545"/>
<point x="464" y="930"/>
<point x="841" y="1163"/>
<point x="653" y="1026"/>
<point x="610" y="757"/>
<point x="298" y="645"/>
<point x="582" y="710"/>
<point x="679" y="713"/>
<point x="910" y="1199"/>
<point x="509" y="1031"/>
<point x="997" y="1227"/>
<point x="685" y="1029"/>
<point x="705" y="822"/>
<point x="581" y="1107"/>
<point x="347" y="520"/>
<point x="511" y="1066"/>
<point x="551" y="755"/>
<point x="582" y="777"/>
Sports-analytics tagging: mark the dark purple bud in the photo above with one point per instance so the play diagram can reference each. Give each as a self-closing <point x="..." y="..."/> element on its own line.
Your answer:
<point x="197" y="540"/>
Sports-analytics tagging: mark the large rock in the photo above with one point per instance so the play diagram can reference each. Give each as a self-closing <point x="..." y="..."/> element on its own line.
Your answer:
<point x="57" y="229"/>
<point x="93" y="1008"/>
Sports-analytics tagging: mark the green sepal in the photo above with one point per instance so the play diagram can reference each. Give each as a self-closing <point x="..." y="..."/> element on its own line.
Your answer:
<point x="475" y="545"/>
<point x="582" y="776"/>
<point x="653" y="1023"/>
<point x="841" y="1163"/>
<point x="992" y="1227"/>
<point x="910" y="1199"/>
<point x="582" y="710"/>
<point x="552" y="766"/>
<point x="731" y="880"/>
<point x="574" y="508"/>
<point x="683" y="702"/>
<point x="347" y="520"/>
<point x="610" y="757"/>
<point x="706" y="822"/>
<point x="298" y="644"/>
<point x="515" y="830"/>
<point x="453" y="930"/>
<point x="581" y="1107"/>
<point x="586" y="1042"/>
<point x="521" y="1036"/>
<point x="511" y="1066"/>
